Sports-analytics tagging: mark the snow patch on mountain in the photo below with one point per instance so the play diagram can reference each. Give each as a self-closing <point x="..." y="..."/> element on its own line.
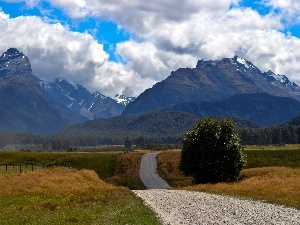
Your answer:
<point x="75" y="97"/>
<point x="91" y="106"/>
<point x="243" y="61"/>
<point x="122" y="99"/>
<point x="45" y="85"/>
<point x="74" y="84"/>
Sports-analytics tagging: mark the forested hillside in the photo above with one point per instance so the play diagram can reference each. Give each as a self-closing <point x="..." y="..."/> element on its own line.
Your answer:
<point x="158" y="127"/>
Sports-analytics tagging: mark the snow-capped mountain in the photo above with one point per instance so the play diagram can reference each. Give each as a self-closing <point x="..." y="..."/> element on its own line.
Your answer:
<point x="212" y="80"/>
<point x="24" y="106"/>
<point x="14" y="63"/>
<point x="75" y="97"/>
<point x="246" y="66"/>
<point x="28" y="104"/>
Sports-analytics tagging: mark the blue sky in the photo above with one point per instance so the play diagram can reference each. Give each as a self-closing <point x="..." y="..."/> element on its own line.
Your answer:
<point x="127" y="46"/>
<point x="105" y="31"/>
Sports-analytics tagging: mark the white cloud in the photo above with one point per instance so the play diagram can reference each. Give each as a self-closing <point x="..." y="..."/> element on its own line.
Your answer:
<point x="55" y="51"/>
<point x="168" y="34"/>
<point x="128" y="82"/>
<point x="150" y="62"/>
<point x="288" y="10"/>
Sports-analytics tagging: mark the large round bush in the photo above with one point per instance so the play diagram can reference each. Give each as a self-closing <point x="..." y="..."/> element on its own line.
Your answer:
<point x="212" y="152"/>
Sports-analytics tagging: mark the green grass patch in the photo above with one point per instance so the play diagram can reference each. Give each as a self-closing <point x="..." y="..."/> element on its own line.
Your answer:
<point x="102" y="163"/>
<point x="93" y="207"/>
<point x="268" y="158"/>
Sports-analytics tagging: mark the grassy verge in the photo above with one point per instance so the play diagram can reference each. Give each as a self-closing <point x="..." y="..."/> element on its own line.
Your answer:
<point x="68" y="196"/>
<point x="168" y="164"/>
<point x="127" y="171"/>
<point x="273" y="184"/>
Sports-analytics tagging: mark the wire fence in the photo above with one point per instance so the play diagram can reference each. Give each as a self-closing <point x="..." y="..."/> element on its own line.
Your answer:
<point x="26" y="167"/>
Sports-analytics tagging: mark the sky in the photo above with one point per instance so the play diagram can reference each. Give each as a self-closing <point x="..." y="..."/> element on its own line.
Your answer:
<point x="126" y="46"/>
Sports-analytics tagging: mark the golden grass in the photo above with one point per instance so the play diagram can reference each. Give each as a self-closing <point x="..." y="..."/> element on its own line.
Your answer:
<point x="68" y="196"/>
<point x="274" y="184"/>
<point x="168" y="168"/>
<point x="56" y="180"/>
<point x="128" y="164"/>
<point x="127" y="170"/>
<point x="272" y="147"/>
<point x="279" y="185"/>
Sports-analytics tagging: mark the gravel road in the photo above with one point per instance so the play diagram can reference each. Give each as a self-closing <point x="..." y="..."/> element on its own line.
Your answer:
<point x="187" y="207"/>
<point x="148" y="173"/>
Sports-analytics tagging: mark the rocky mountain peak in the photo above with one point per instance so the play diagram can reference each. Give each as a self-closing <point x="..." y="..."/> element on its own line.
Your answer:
<point x="271" y="76"/>
<point x="212" y="80"/>
<point x="239" y="63"/>
<point x="14" y="63"/>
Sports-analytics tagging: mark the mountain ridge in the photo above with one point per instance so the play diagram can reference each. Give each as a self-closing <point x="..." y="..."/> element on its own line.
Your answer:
<point x="24" y="105"/>
<point x="77" y="99"/>
<point x="260" y="108"/>
<point x="29" y="104"/>
<point x="211" y="81"/>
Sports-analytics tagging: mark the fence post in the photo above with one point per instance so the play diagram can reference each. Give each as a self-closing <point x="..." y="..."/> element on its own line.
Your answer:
<point x="6" y="168"/>
<point x="31" y="166"/>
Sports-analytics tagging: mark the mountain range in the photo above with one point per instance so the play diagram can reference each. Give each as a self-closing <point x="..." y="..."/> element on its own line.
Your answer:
<point x="231" y="87"/>
<point x="77" y="100"/>
<point x="212" y="81"/>
<point x="31" y="105"/>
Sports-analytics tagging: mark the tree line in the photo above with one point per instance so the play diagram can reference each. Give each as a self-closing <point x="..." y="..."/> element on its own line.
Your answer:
<point x="275" y="135"/>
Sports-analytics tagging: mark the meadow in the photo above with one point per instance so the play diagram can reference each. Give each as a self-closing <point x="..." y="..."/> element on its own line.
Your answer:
<point x="102" y="163"/>
<point x="270" y="175"/>
<point x="68" y="196"/>
<point x="62" y="195"/>
<point x="75" y="194"/>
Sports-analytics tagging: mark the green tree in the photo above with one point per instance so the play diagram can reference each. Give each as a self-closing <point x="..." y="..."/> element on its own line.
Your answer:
<point x="127" y="145"/>
<point x="140" y="142"/>
<point x="212" y="152"/>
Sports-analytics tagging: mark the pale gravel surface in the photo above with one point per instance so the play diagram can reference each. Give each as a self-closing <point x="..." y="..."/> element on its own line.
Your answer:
<point x="187" y="207"/>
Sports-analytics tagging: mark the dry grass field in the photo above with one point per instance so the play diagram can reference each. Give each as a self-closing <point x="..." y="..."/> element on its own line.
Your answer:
<point x="68" y="196"/>
<point x="127" y="170"/>
<point x="56" y="180"/>
<point x="167" y="164"/>
<point x="279" y="185"/>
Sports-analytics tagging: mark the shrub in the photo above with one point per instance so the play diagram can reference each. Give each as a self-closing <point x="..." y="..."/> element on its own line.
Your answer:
<point x="212" y="152"/>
